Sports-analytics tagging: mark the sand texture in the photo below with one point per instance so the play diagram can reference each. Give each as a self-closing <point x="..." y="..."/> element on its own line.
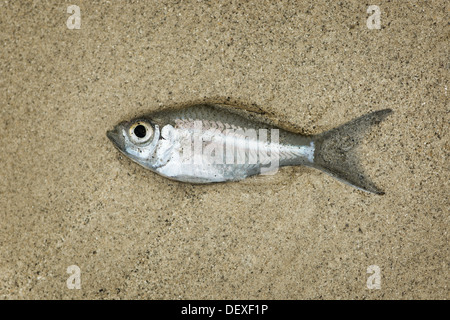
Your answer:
<point x="68" y="197"/>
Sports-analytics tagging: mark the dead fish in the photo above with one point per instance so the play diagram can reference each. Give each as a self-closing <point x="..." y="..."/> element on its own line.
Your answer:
<point x="206" y="143"/>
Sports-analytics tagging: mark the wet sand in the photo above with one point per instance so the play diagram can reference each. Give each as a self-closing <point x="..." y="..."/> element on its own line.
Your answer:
<point x="67" y="197"/>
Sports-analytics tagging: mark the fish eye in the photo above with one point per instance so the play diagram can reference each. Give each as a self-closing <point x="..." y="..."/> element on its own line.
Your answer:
<point x="140" y="132"/>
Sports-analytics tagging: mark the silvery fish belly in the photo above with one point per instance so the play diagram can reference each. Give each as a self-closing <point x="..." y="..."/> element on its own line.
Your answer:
<point x="208" y="143"/>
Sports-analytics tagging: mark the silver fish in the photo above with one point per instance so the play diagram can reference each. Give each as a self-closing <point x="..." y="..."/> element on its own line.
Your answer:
<point x="206" y="143"/>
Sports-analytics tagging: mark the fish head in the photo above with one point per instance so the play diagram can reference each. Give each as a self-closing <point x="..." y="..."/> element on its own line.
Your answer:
<point x="136" y="139"/>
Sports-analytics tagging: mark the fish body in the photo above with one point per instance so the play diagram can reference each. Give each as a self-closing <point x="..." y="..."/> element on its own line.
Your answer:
<point x="206" y="143"/>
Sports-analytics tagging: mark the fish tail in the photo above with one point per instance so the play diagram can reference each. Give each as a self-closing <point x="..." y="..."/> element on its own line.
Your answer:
<point x="335" y="153"/>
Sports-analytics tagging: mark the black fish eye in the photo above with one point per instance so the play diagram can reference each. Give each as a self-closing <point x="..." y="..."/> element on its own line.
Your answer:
<point x="140" y="131"/>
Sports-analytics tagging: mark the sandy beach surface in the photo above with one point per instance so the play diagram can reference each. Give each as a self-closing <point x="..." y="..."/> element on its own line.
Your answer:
<point x="69" y="198"/>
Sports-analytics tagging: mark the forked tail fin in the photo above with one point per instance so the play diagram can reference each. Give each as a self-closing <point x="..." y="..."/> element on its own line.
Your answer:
<point x="335" y="155"/>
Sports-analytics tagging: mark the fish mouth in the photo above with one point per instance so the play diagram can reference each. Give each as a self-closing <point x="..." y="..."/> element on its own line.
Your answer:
<point x="116" y="138"/>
